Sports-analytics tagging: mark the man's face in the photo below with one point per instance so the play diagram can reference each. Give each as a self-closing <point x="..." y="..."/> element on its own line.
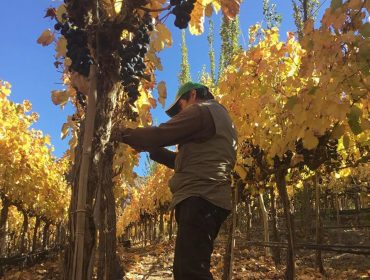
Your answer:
<point x="183" y="103"/>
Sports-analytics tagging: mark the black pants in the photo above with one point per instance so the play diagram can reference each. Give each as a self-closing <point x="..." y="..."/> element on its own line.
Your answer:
<point x="198" y="224"/>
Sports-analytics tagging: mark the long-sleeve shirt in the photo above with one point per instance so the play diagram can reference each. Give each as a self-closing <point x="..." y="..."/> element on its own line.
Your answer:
<point x="194" y="124"/>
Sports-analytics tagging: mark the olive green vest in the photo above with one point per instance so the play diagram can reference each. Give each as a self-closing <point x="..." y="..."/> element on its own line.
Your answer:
<point x="204" y="169"/>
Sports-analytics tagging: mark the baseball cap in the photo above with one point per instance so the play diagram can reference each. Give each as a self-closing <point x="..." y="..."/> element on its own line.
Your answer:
<point x="174" y="109"/>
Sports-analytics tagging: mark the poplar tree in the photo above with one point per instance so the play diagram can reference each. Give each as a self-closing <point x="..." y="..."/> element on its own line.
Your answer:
<point x="302" y="11"/>
<point x="184" y="75"/>
<point x="272" y="18"/>
<point x="211" y="51"/>
<point x="230" y="32"/>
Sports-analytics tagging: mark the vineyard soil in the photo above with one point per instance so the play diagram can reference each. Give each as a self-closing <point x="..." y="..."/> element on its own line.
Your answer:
<point x="154" y="262"/>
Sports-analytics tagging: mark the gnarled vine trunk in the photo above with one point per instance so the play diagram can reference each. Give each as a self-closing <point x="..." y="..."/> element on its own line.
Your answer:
<point x="22" y="245"/>
<point x="3" y="222"/>
<point x="289" y="216"/>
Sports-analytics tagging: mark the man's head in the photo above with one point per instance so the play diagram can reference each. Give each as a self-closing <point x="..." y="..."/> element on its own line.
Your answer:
<point x="188" y="94"/>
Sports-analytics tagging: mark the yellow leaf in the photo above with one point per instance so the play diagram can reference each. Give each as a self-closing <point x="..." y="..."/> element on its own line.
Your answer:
<point x="60" y="97"/>
<point x="27" y="105"/>
<point x="161" y="37"/>
<point x="80" y="83"/>
<point x="338" y="131"/>
<point x="151" y="55"/>
<point x="208" y="10"/>
<point x="230" y="8"/>
<point x="242" y="172"/>
<point x="46" y="38"/>
<point x="162" y="93"/>
<point x="65" y="130"/>
<point x="60" y="11"/>
<point x="216" y="6"/>
<point x="345" y="172"/>
<point x="365" y="124"/>
<point x="117" y="5"/>
<point x="61" y="47"/>
<point x="310" y="141"/>
<point x="297" y="158"/>
<point x="196" y="24"/>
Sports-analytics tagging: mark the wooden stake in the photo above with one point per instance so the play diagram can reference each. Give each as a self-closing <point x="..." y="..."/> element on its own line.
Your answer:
<point x="78" y="261"/>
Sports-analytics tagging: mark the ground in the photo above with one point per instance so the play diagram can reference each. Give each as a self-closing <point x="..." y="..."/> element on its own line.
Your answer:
<point x="154" y="262"/>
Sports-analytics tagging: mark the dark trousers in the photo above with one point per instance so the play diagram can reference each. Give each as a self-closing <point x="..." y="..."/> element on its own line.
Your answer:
<point x="198" y="224"/>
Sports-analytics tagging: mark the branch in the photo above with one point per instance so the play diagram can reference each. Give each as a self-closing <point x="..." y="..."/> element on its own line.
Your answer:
<point x="155" y="10"/>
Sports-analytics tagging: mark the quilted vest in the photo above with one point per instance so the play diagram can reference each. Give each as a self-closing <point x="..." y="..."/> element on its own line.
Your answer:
<point x="203" y="169"/>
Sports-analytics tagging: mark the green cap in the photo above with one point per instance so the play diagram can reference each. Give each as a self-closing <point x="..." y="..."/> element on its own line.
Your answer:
<point x="173" y="109"/>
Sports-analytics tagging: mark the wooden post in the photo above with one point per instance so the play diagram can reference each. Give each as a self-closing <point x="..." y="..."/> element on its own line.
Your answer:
<point x="229" y="256"/>
<point x="265" y="222"/>
<point x="78" y="262"/>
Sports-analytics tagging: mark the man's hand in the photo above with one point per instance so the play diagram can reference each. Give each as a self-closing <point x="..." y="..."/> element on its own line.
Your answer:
<point x="119" y="134"/>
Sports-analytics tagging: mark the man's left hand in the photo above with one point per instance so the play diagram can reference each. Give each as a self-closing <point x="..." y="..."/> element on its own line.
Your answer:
<point x="119" y="134"/>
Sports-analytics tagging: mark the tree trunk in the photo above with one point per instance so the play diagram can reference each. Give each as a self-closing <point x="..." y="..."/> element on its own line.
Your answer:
<point x="265" y="222"/>
<point x="136" y="232"/>
<point x="319" y="263"/>
<point x="23" y="240"/>
<point x="170" y="228"/>
<point x="161" y="224"/>
<point x="289" y="216"/>
<point x="35" y="230"/>
<point x="249" y="216"/>
<point x="3" y="225"/>
<point x="229" y="255"/>
<point x="356" y="198"/>
<point x="45" y="236"/>
<point x="101" y="254"/>
<point x="306" y="210"/>
<point x="155" y="227"/>
<point x="275" y="233"/>
<point x="113" y="268"/>
<point x="337" y="208"/>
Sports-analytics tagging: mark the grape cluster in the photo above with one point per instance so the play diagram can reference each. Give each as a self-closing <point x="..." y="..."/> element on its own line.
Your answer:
<point x="132" y="55"/>
<point x="182" y="11"/>
<point x="77" y="49"/>
<point x="81" y="99"/>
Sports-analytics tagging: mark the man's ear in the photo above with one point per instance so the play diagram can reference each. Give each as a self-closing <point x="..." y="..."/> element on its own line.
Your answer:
<point x="193" y="94"/>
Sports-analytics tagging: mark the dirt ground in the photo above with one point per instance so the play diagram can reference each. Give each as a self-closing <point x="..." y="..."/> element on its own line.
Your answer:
<point x="154" y="262"/>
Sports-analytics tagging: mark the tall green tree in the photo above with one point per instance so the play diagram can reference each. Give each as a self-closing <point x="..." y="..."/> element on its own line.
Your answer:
<point x="230" y="32"/>
<point x="272" y="18"/>
<point x="302" y="11"/>
<point x="184" y="75"/>
<point x="211" y="51"/>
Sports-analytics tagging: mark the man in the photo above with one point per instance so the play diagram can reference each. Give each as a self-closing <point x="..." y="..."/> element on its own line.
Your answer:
<point x="207" y="142"/>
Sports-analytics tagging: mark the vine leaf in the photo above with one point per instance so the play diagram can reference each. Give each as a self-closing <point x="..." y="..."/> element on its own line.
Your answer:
<point x="46" y="38"/>
<point x="162" y="93"/>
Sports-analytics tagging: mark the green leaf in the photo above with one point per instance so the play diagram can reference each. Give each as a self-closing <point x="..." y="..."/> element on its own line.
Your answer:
<point x="335" y="4"/>
<point x="354" y="120"/>
<point x="365" y="30"/>
<point x="355" y="113"/>
<point x="291" y="102"/>
<point x="346" y="141"/>
<point x="312" y="90"/>
<point x="365" y="124"/>
<point x="338" y="131"/>
<point x="365" y="49"/>
<point x="355" y="126"/>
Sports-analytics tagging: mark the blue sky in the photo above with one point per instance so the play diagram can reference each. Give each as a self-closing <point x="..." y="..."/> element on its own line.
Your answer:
<point x="29" y="66"/>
